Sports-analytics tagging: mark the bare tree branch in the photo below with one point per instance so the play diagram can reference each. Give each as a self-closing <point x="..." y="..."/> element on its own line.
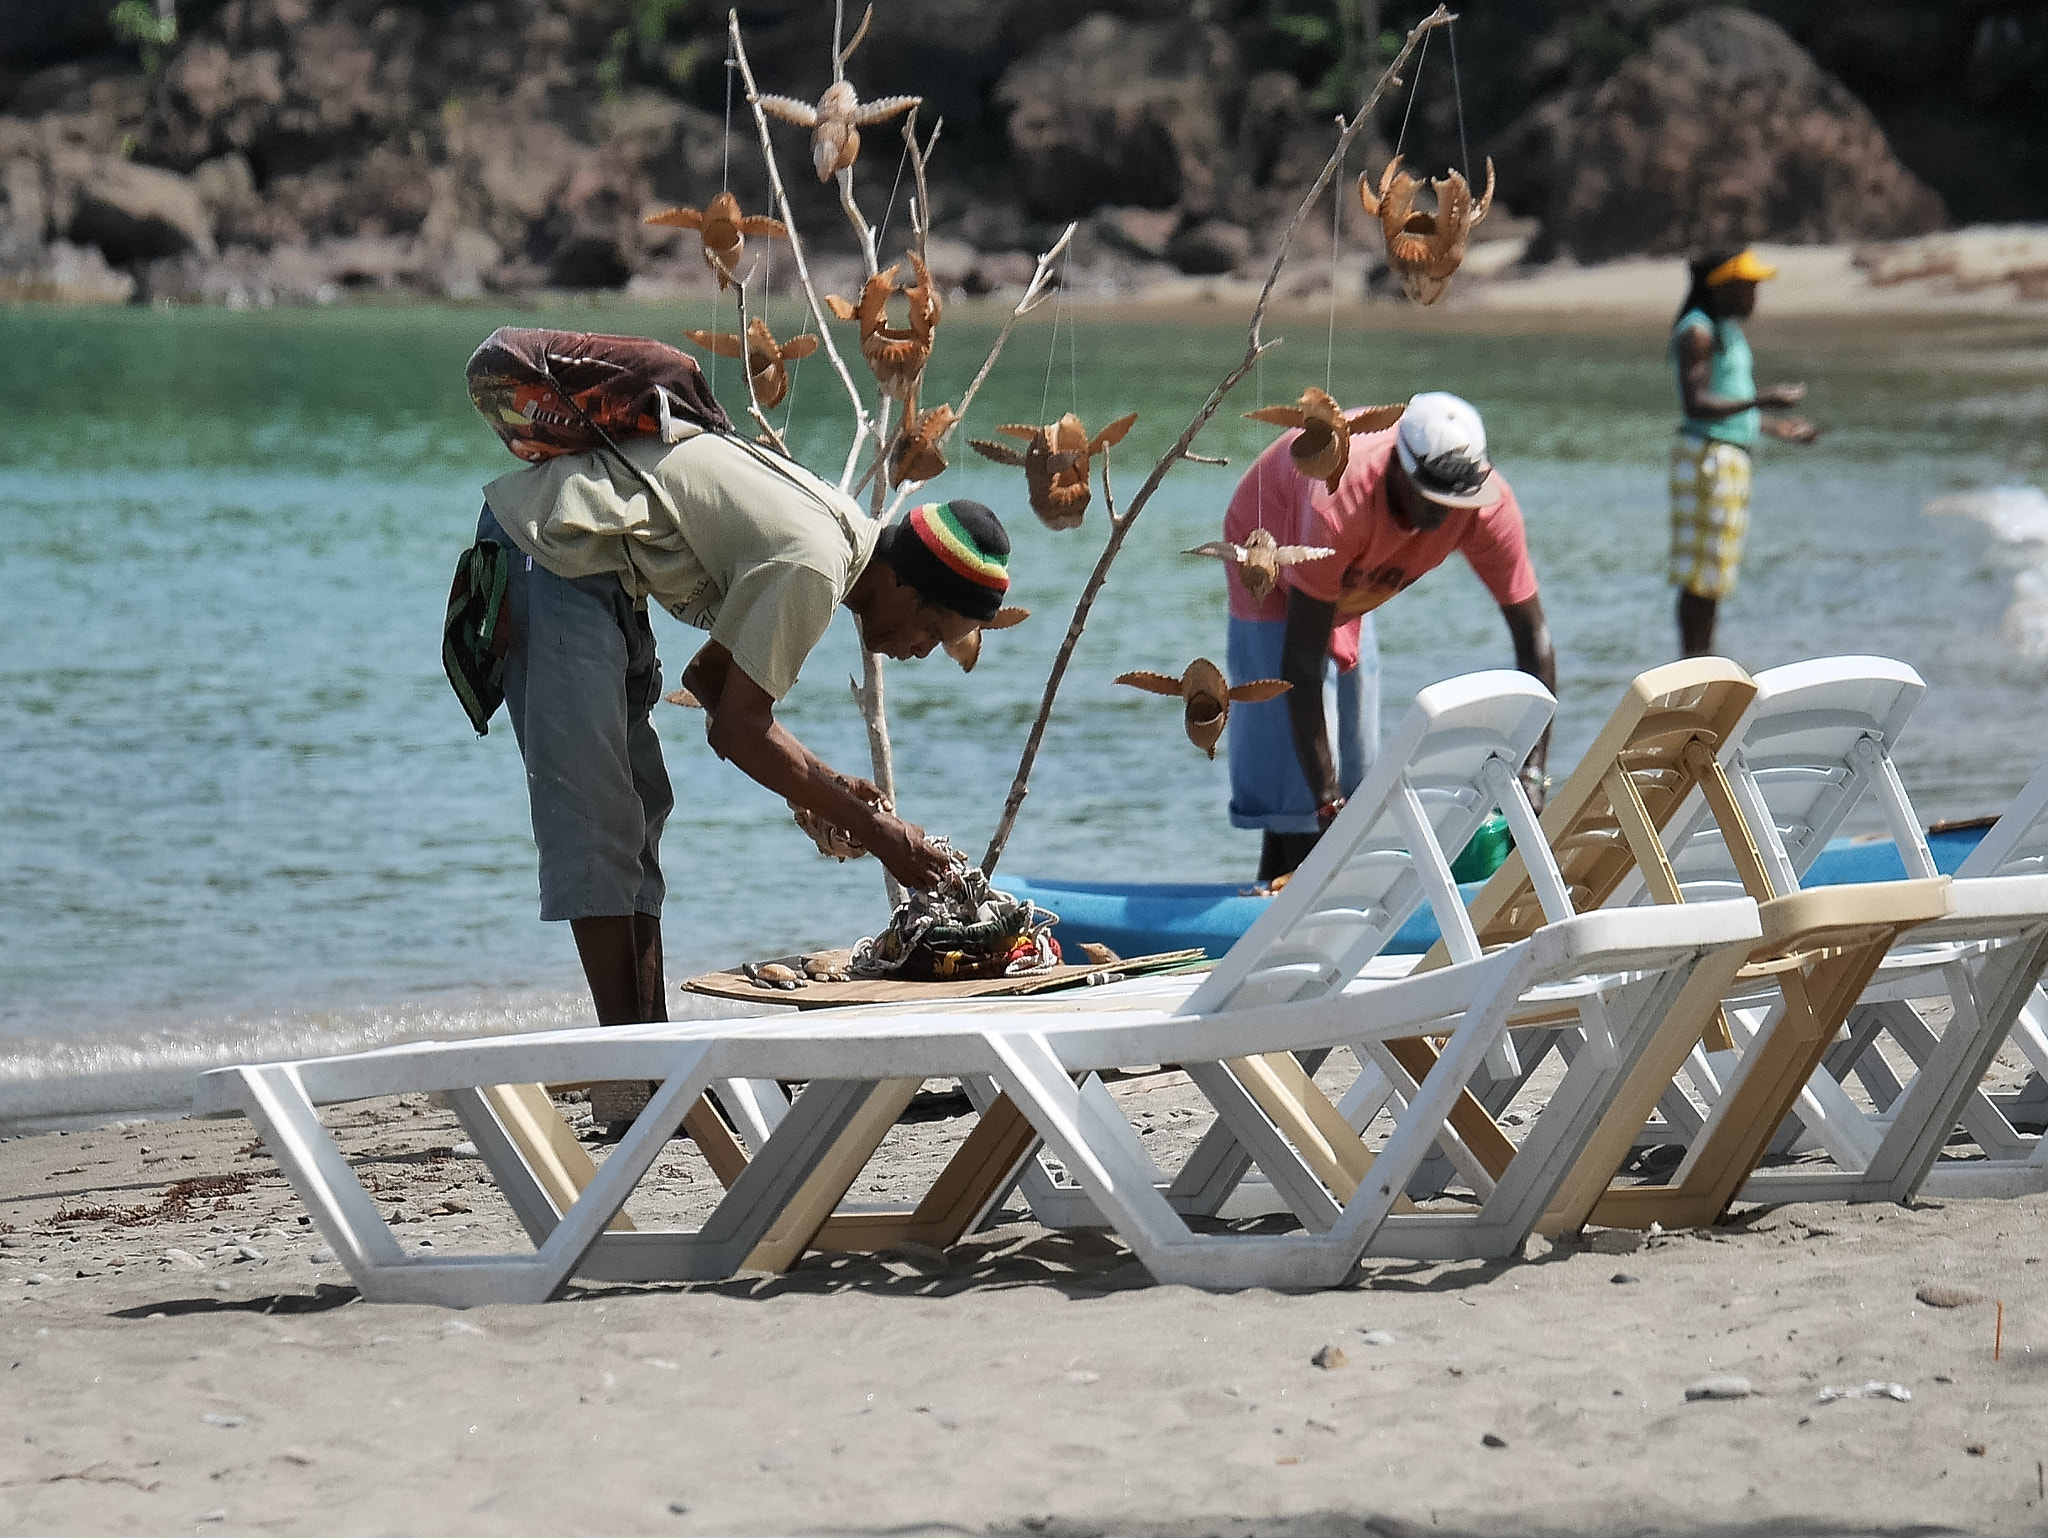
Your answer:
<point x="1034" y="296"/>
<point x="861" y="423"/>
<point x="1120" y="525"/>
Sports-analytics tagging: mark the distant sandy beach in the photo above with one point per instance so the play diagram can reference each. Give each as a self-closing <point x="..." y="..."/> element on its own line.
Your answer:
<point x="183" y="1357"/>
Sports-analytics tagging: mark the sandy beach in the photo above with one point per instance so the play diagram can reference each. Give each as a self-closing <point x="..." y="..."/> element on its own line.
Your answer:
<point x="181" y="1351"/>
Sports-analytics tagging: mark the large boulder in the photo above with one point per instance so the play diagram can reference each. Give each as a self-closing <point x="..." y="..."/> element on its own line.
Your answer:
<point x="138" y="213"/>
<point x="1725" y="131"/>
<point x="1121" y="112"/>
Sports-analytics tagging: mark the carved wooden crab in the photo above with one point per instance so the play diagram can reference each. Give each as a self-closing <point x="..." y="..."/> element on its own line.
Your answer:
<point x="896" y="356"/>
<point x="836" y="121"/>
<point x="1425" y="249"/>
<point x="1207" y="697"/>
<point x="1056" y="463"/>
<point x="967" y="650"/>
<point x="765" y="356"/>
<point x="917" y="455"/>
<point x="1323" y="448"/>
<point x="725" y="230"/>
<point x="1259" y="559"/>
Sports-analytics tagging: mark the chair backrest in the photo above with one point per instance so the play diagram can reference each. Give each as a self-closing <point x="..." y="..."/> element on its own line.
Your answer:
<point x="1818" y="738"/>
<point x="1454" y="758"/>
<point x="1669" y="729"/>
<point x="2017" y="844"/>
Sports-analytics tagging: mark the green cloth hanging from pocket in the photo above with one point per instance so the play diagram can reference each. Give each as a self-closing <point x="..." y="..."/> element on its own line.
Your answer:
<point x="477" y="634"/>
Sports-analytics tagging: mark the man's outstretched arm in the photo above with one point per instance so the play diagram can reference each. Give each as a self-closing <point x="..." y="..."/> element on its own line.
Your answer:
<point x="741" y="727"/>
<point x="1306" y="644"/>
<point x="1535" y="656"/>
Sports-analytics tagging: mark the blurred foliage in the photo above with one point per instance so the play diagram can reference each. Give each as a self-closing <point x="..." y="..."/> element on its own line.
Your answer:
<point x="663" y="39"/>
<point x="148" y="28"/>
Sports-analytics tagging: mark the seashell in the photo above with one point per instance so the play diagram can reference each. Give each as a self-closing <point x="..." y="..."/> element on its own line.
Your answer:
<point x="1056" y="460"/>
<point x="1207" y="697"/>
<point x="1425" y="249"/>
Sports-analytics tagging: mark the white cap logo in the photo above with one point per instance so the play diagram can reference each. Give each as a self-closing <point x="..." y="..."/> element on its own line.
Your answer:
<point x="1442" y="444"/>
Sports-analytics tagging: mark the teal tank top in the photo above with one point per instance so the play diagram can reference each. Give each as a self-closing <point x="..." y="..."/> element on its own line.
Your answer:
<point x="1731" y="376"/>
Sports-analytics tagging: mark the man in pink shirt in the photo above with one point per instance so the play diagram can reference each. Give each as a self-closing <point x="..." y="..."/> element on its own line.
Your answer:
<point x="1409" y="497"/>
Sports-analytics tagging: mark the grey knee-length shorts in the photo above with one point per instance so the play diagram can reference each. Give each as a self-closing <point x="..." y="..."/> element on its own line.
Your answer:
<point x="581" y="680"/>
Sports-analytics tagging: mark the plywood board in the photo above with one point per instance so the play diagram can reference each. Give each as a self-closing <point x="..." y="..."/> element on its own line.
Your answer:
<point x="735" y="984"/>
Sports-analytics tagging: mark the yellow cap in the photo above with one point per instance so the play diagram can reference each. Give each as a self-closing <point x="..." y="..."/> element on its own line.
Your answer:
<point x="1745" y="266"/>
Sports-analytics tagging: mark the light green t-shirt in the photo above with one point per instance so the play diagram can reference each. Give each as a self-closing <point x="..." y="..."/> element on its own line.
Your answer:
<point x="744" y="543"/>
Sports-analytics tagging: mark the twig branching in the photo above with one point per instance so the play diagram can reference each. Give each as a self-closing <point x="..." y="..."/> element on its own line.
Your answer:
<point x="1120" y="524"/>
<point x="862" y="424"/>
<point x="1034" y="296"/>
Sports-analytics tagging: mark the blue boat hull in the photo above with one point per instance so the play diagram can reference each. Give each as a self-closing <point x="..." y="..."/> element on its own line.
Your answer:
<point x="1142" y="919"/>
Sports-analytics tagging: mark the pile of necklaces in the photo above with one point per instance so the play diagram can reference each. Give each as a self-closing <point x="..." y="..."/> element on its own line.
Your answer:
<point x="959" y="929"/>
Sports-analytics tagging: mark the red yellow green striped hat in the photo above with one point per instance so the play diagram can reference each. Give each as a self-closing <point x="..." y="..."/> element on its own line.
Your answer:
<point x="956" y="554"/>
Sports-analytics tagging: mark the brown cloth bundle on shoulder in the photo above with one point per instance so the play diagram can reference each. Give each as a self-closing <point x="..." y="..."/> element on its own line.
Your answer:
<point x="568" y="392"/>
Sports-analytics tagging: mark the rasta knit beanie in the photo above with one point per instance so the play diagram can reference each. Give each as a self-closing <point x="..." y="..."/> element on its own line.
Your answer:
<point x="955" y="554"/>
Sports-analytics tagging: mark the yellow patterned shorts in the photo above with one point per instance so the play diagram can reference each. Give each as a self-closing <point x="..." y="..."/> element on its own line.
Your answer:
<point x="1709" y="514"/>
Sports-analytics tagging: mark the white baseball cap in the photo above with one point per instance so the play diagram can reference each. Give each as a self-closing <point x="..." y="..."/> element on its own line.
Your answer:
<point x="1442" y="444"/>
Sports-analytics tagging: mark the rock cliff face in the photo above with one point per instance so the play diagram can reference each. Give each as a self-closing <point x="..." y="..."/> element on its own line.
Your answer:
<point x="1724" y="132"/>
<point x="287" y="149"/>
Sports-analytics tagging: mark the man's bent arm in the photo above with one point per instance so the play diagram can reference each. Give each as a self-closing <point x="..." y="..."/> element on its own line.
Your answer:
<point x="742" y="729"/>
<point x="1535" y="656"/>
<point x="1302" y="654"/>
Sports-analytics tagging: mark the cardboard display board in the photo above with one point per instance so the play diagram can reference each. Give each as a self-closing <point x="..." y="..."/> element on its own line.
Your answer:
<point x="735" y="984"/>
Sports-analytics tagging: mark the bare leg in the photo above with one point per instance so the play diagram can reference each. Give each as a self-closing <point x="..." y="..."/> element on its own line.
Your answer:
<point x="1696" y="617"/>
<point x="621" y="957"/>
<point x="1282" y="853"/>
<point x="622" y="962"/>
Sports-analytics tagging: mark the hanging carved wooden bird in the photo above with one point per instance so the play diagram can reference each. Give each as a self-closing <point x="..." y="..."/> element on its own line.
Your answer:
<point x="725" y="230"/>
<point x="1208" y="698"/>
<point x="765" y="356"/>
<point x="1259" y="559"/>
<point x="1324" y="447"/>
<point x="917" y="456"/>
<point x="836" y="121"/>
<point x="896" y="356"/>
<point x="967" y="650"/>
<point x="1056" y="460"/>
<point x="1425" y="249"/>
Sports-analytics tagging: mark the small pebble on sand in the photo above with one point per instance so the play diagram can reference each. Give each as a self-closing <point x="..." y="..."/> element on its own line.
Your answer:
<point x="1490" y="1440"/>
<point x="1623" y="1279"/>
<point x="1330" y="1357"/>
<point x="1941" y="1295"/>
<point x="1719" y="1388"/>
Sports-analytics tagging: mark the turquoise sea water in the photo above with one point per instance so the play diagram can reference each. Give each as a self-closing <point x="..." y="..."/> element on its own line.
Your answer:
<point x="241" y="813"/>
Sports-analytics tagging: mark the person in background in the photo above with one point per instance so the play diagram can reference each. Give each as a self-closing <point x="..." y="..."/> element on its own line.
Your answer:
<point x="1409" y="497"/>
<point x="1721" y="414"/>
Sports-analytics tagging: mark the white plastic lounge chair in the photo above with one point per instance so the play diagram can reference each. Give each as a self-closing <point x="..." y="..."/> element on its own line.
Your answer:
<point x="1819" y="738"/>
<point x="1043" y="1058"/>
<point x="1581" y="850"/>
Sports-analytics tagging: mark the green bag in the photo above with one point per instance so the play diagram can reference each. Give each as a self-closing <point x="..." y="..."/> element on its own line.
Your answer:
<point x="477" y="634"/>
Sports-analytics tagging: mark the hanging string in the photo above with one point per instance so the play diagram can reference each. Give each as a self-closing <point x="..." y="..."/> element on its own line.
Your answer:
<point x="1052" y="349"/>
<point x="1336" y="250"/>
<point x="725" y="175"/>
<point x="1458" y="91"/>
<point x="1414" y="90"/>
<point x="1073" y="369"/>
<point x="882" y="233"/>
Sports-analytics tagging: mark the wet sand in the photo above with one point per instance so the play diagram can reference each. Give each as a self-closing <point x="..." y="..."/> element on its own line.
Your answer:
<point x="179" y="1350"/>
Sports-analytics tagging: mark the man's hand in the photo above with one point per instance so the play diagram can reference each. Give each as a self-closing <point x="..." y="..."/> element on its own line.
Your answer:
<point x="907" y="854"/>
<point x="1778" y="396"/>
<point x="1791" y="429"/>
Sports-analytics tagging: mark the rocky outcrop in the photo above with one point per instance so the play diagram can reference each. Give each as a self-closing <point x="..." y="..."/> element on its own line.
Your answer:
<point x="291" y="149"/>
<point x="1725" y="131"/>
